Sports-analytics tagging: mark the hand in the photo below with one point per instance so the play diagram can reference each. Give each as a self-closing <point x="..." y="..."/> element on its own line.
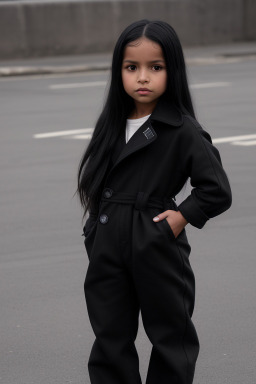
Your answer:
<point x="174" y="218"/>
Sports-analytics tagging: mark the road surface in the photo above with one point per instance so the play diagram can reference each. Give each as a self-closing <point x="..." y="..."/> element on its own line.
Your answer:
<point x="46" y="122"/>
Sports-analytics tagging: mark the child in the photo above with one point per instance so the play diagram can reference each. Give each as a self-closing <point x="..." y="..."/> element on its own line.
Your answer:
<point x="145" y="145"/>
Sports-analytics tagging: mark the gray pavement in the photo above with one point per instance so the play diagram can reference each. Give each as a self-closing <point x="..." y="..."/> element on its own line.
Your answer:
<point x="46" y="335"/>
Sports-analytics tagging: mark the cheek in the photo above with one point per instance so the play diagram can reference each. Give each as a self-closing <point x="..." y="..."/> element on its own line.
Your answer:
<point x="163" y="82"/>
<point x="126" y="81"/>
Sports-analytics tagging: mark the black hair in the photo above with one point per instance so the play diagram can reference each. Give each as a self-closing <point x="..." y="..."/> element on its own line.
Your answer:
<point x="118" y="105"/>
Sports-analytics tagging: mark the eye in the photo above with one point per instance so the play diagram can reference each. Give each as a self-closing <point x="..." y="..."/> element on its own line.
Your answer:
<point x="131" y="67"/>
<point x="157" y="68"/>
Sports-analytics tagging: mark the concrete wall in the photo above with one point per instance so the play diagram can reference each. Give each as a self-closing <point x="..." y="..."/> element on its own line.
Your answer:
<point x="250" y="19"/>
<point x="42" y="29"/>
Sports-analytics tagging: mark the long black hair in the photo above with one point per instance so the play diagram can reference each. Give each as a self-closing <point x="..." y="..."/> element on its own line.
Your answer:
<point x="119" y="104"/>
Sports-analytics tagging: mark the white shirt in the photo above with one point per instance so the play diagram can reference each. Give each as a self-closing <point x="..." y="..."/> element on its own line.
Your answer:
<point x="132" y="125"/>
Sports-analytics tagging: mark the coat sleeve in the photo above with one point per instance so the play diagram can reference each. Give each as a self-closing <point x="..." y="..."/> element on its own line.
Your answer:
<point x="211" y="193"/>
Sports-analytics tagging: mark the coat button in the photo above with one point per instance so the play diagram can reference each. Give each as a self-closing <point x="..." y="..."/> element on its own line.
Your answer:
<point x="103" y="219"/>
<point x="108" y="193"/>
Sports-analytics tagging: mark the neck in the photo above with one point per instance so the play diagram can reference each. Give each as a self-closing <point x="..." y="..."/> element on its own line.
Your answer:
<point x="142" y="110"/>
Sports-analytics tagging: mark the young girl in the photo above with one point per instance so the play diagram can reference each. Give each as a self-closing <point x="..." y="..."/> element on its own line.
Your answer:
<point x="145" y="146"/>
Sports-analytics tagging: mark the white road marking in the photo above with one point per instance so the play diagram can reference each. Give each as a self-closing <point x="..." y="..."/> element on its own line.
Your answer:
<point x="78" y="85"/>
<point x="62" y="133"/>
<point x="230" y="139"/>
<point x="210" y="85"/>
<point x="82" y="137"/>
<point x="86" y="134"/>
<point x="103" y="83"/>
<point x="244" y="143"/>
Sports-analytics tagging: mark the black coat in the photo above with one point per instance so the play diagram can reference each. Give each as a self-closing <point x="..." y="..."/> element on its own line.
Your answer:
<point x="136" y="263"/>
<point x="165" y="151"/>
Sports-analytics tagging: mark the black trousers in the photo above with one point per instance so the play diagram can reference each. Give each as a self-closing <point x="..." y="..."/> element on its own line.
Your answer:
<point x="137" y="265"/>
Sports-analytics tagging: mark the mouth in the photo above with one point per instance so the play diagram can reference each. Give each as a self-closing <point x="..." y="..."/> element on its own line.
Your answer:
<point x="143" y="91"/>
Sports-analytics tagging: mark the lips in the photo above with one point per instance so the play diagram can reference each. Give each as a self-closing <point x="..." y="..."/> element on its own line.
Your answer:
<point x="143" y="91"/>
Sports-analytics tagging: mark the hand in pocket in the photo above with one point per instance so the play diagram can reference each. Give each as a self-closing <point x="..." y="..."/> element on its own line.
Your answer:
<point x="176" y="221"/>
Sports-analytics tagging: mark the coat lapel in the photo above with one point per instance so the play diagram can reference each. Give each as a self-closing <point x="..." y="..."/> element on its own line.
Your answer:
<point x="120" y="144"/>
<point x="144" y="136"/>
<point x="164" y="112"/>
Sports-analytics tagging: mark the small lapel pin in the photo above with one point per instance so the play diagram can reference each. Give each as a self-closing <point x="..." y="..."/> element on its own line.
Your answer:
<point x="148" y="133"/>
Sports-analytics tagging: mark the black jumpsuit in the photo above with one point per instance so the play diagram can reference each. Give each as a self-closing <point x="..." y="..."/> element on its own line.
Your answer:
<point x="136" y="264"/>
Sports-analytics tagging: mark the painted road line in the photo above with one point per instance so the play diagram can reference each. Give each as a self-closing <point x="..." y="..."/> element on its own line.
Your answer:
<point x="86" y="134"/>
<point x="244" y="143"/>
<point x="62" y="133"/>
<point x="103" y="83"/>
<point x="230" y="139"/>
<point x="78" y="85"/>
<point x="210" y="85"/>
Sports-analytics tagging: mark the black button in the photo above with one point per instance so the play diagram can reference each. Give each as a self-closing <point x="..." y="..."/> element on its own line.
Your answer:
<point x="103" y="219"/>
<point x="108" y="193"/>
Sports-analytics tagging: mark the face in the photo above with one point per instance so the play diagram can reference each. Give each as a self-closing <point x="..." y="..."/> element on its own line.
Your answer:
<point x="144" y="73"/>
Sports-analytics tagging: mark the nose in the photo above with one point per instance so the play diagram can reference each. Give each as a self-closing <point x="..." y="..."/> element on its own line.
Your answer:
<point x="143" y="76"/>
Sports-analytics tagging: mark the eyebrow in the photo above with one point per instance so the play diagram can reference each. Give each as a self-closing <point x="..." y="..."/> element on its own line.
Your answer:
<point x="151" y="62"/>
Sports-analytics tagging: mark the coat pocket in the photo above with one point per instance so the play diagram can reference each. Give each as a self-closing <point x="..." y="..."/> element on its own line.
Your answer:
<point x="168" y="228"/>
<point x="165" y="227"/>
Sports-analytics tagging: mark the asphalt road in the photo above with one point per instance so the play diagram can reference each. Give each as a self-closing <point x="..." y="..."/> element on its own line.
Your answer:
<point x="46" y="336"/>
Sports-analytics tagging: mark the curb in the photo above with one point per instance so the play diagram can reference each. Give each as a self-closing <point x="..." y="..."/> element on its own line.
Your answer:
<point x="46" y="70"/>
<point x="62" y="69"/>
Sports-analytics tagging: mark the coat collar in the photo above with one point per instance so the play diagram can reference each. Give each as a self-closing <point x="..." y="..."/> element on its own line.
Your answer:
<point x="167" y="113"/>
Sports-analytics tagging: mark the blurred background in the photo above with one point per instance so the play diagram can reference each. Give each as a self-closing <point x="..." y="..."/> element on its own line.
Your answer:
<point x="43" y="28"/>
<point x="54" y="71"/>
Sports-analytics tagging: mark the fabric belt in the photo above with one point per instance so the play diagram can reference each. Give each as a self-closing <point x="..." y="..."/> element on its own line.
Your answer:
<point x="141" y="200"/>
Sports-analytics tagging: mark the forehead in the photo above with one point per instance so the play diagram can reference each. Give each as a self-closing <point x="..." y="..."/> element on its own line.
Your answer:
<point x="143" y="50"/>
